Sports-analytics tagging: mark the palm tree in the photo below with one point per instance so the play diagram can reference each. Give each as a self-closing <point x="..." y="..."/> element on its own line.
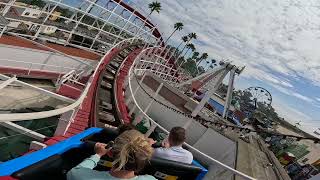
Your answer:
<point x="176" y="52"/>
<point x="213" y="61"/>
<point x="207" y="66"/>
<point x="190" y="37"/>
<point x="177" y="27"/>
<point x="184" y="40"/>
<point x="189" y="46"/>
<point x="154" y="6"/>
<point x="202" y="57"/>
<point x="195" y="55"/>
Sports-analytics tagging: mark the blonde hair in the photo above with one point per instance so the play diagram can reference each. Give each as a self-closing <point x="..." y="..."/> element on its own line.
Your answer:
<point x="131" y="151"/>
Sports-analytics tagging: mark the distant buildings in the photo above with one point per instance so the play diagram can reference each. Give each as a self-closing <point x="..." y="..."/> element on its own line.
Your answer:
<point x="49" y="29"/>
<point x="30" y="11"/>
<point x="55" y="16"/>
<point x="25" y="10"/>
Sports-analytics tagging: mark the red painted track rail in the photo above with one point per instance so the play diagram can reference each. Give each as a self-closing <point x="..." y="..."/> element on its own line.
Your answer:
<point x="87" y="115"/>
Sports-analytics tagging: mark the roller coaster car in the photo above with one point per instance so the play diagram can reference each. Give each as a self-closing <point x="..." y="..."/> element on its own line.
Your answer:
<point x="55" y="161"/>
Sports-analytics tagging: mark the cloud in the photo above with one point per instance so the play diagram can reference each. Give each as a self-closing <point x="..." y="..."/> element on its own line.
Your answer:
<point x="291" y="114"/>
<point x="302" y="97"/>
<point x="252" y="31"/>
<point x="281" y="85"/>
<point x="290" y="92"/>
<point x="318" y="99"/>
<point x="275" y="40"/>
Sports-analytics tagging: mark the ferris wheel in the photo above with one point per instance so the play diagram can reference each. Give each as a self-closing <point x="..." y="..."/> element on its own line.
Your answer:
<point x="259" y="95"/>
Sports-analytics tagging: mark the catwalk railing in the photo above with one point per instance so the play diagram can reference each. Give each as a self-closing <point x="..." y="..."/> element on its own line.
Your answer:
<point x="69" y="108"/>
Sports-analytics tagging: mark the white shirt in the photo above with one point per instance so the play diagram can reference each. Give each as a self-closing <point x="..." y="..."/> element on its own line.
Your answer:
<point x="175" y="153"/>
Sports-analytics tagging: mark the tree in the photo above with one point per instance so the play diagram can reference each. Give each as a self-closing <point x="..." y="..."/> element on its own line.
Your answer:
<point x="195" y="55"/>
<point x="154" y="6"/>
<point x="190" y="37"/>
<point x="246" y="104"/>
<point x="38" y="3"/>
<point x="202" y="57"/>
<point x="65" y="12"/>
<point x="177" y="27"/>
<point x="208" y="62"/>
<point x="201" y="70"/>
<point x="212" y="63"/>
<point x="190" y="66"/>
<point x="184" y="40"/>
<point x="191" y="47"/>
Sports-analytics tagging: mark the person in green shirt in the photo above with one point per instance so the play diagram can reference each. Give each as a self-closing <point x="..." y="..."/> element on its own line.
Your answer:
<point x="131" y="152"/>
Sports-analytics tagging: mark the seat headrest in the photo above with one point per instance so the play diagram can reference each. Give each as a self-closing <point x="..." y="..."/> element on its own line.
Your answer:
<point x="106" y="135"/>
<point x="162" y="168"/>
<point x="177" y="165"/>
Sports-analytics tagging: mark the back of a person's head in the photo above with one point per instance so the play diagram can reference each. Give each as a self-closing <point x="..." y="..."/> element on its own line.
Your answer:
<point x="125" y="127"/>
<point x="131" y="151"/>
<point x="177" y="136"/>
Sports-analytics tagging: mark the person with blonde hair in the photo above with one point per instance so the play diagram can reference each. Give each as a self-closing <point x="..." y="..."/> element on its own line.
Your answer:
<point x="131" y="151"/>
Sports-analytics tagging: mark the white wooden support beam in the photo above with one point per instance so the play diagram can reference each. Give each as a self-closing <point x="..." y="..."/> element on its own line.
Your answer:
<point x="7" y="7"/>
<point x="229" y="93"/>
<point x="7" y="82"/>
<point x="35" y="145"/>
<point x="214" y="72"/>
<point x="136" y="90"/>
<point x="3" y="30"/>
<point x="64" y="123"/>
<point x="209" y="93"/>
<point x="23" y="130"/>
<point x="44" y="91"/>
<point x="78" y="21"/>
<point x="140" y="116"/>
<point x="45" y="20"/>
<point x="124" y="26"/>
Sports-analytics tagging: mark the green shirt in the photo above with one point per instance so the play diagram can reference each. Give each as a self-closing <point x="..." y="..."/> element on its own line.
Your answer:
<point x="84" y="171"/>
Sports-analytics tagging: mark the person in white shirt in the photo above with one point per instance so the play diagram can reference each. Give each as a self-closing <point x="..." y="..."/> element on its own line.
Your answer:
<point x="172" y="149"/>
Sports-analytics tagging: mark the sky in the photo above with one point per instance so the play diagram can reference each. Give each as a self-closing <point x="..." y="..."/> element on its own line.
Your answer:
<point x="277" y="41"/>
